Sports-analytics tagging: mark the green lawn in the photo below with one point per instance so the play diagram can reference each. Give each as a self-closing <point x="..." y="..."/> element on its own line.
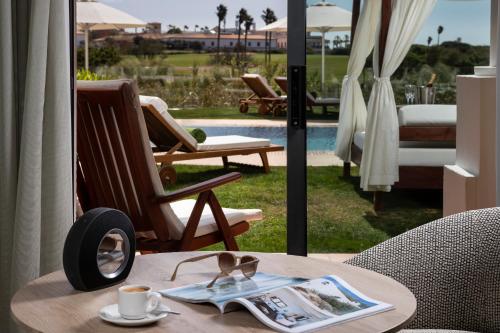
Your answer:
<point x="234" y="113"/>
<point x="341" y="217"/>
<point x="336" y="65"/>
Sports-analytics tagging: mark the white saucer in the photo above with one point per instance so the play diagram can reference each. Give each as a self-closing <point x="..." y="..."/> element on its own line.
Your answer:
<point x="110" y="314"/>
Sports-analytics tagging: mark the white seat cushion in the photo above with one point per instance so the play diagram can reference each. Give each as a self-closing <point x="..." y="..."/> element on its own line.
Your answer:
<point x="410" y="154"/>
<point x="183" y="209"/>
<point x="428" y="115"/>
<point x="231" y="142"/>
<point x="162" y="107"/>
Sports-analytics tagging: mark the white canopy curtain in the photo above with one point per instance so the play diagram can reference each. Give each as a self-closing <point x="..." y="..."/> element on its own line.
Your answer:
<point x="352" y="117"/>
<point x="379" y="164"/>
<point x="36" y="186"/>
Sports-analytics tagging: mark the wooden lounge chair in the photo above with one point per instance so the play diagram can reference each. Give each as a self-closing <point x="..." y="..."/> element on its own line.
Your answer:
<point x="116" y="169"/>
<point x="324" y="103"/>
<point x="263" y="96"/>
<point x="427" y="136"/>
<point x="173" y="143"/>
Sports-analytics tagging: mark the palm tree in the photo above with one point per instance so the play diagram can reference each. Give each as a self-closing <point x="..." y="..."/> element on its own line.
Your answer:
<point x="248" y="25"/>
<point x="186" y="28"/>
<point x="196" y="27"/>
<point x="429" y="41"/>
<point x="241" y="17"/>
<point x="440" y="31"/>
<point x="268" y="17"/>
<point x="221" y="16"/>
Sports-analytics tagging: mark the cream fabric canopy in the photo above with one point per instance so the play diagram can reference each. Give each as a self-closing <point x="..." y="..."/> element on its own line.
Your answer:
<point x="379" y="164"/>
<point x="352" y="116"/>
<point x="92" y="15"/>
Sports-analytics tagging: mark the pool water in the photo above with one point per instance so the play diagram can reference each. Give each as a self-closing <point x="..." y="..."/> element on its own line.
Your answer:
<point x="318" y="138"/>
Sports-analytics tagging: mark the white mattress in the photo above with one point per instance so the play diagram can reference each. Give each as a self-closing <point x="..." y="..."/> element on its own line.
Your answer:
<point x="412" y="154"/>
<point x="231" y="142"/>
<point x="184" y="208"/>
<point x="428" y="115"/>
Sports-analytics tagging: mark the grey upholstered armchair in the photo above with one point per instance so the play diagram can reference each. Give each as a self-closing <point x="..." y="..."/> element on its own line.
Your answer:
<point x="452" y="265"/>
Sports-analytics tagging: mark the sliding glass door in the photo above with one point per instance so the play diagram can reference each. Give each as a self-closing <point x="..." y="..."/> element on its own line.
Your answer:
<point x="297" y="130"/>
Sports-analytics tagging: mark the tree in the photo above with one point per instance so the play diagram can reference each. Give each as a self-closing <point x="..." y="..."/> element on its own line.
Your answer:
<point x="346" y="41"/>
<point x="196" y="27"/>
<point x="241" y="17"/>
<point x="186" y="28"/>
<point x="429" y="41"/>
<point x="221" y="16"/>
<point x="248" y="25"/>
<point x="268" y="17"/>
<point x="172" y="29"/>
<point x="439" y="31"/>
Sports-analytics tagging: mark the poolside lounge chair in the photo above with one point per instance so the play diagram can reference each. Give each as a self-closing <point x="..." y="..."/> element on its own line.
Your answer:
<point x="427" y="136"/>
<point x="267" y="100"/>
<point x="282" y="82"/>
<point x="452" y="266"/>
<point x="173" y="143"/>
<point x="116" y="169"/>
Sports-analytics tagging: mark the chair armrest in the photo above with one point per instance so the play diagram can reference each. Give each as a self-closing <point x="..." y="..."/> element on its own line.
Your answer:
<point x="198" y="188"/>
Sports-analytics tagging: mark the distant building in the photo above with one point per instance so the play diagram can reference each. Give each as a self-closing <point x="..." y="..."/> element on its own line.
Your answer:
<point x="153" y="27"/>
<point x="205" y="41"/>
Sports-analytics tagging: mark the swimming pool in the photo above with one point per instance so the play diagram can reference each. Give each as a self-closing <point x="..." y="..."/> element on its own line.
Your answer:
<point x="318" y="138"/>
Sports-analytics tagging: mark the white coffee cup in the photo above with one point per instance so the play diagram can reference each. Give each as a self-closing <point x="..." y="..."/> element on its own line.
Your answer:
<point x="136" y="301"/>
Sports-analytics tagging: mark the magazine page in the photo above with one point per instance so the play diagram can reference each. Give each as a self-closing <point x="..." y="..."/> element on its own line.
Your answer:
<point x="311" y="305"/>
<point x="229" y="288"/>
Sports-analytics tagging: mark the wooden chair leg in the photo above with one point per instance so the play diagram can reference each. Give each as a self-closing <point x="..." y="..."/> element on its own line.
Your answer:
<point x="194" y="220"/>
<point x="347" y="169"/>
<point x="377" y="201"/>
<point x="225" y="162"/>
<point x="222" y="223"/>
<point x="265" y="162"/>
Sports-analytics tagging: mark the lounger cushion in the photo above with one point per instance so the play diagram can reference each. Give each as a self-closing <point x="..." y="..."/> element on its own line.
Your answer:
<point x="231" y="142"/>
<point x="162" y="108"/>
<point x="183" y="209"/>
<point x="410" y="154"/>
<point x="262" y="88"/>
<point x="428" y="115"/>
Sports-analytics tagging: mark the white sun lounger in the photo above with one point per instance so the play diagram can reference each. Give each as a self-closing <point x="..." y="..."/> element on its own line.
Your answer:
<point x="173" y="143"/>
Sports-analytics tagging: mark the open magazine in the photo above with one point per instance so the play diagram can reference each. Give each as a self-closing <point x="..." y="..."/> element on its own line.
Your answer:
<point x="284" y="303"/>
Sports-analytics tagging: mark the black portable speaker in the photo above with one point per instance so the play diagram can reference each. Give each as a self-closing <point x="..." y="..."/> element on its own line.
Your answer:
<point x="99" y="250"/>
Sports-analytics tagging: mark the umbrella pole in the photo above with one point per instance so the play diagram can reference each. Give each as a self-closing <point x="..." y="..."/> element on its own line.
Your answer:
<point x="87" y="49"/>
<point x="322" y="64"/>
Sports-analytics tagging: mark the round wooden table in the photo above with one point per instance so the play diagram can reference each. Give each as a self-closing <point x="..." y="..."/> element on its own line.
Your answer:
<point x="50" y="304"/>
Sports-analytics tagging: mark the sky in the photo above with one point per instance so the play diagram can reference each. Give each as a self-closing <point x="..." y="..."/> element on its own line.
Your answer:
<point x="468" y="20"/>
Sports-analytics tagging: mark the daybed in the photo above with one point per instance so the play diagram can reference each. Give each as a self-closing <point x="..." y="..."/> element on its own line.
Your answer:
<point x="427" y="143"/>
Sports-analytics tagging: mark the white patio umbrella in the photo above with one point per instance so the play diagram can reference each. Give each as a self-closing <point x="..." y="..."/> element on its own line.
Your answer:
<point x="322" y="17"/>
<point x="92" y="15"/>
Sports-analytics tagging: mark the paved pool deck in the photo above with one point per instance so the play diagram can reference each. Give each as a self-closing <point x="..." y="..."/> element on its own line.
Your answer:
<point x="314" y="158"/>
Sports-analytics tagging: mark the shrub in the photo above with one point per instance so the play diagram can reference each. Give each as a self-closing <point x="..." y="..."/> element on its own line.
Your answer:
<point x="87" y="75"/>
<point x="100" y="56"/>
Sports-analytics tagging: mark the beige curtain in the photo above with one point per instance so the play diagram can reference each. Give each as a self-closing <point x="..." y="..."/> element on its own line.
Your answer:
<point x="36" y="191"/>
<point x="380" y="161"/>
<point x="352" y="117"/>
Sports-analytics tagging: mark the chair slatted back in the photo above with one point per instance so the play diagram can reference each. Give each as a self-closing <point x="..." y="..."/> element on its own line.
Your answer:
<point x="115" y="157"/>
